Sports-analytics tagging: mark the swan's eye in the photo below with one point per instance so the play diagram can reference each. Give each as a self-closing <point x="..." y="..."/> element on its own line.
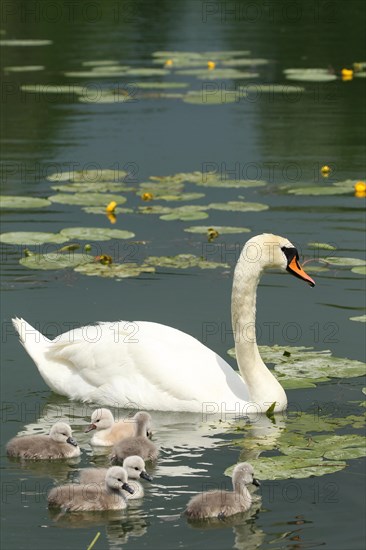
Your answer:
<point x="97" y="420"/>
<point x="119" y="479"/>
<point x="136" y="468"/>
<point x="290" y="253"/>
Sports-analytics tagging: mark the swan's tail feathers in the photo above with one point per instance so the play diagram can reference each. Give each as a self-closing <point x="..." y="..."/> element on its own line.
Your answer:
<point x="33" y="341"/>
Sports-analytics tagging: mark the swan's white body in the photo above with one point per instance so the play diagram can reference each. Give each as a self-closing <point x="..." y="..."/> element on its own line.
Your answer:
<point x="153" y="366"/>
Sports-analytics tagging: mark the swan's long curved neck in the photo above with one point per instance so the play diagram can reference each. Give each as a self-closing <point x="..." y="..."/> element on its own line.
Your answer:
<point x="263" y="386"/>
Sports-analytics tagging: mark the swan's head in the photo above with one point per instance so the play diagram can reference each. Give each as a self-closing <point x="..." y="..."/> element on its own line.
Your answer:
<point x="116" y="478"/>
<point x="272" y="251"/>
<point x="135" y="468"/>
<point x="243" y="474"/>
<point x="61" y="432"/>
<point x="101" y="419"/>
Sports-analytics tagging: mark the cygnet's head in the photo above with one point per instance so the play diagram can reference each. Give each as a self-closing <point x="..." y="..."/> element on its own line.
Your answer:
<point x="62" y="433"/>
<point x="272" y="251"/>
<point x="116" y="478"/>
<point x="135" y="468"/>
<point x="143" y="421"/>
<point x="101" y="419"/>
<point x="243" y="474"/>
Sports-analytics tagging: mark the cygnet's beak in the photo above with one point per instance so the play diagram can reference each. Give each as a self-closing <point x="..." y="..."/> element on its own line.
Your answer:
<point x="146" y="476"/>
<point x="90" y="428"/>
<point x="72" y="441"/>
<point x="256" y="482"/>
<point x="128" y="488"/>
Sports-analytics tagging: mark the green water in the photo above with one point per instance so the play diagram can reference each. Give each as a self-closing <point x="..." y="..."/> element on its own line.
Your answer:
<point x="277" y="139"/>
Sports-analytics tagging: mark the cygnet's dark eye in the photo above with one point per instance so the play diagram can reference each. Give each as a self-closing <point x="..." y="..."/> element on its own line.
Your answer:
<point x="119" y="479"/>
<point x="136" y="468"/>
<point x="97" y="420"/>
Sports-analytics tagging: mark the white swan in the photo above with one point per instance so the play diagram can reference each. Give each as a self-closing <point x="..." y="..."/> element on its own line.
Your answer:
<point x="152" y="366"/>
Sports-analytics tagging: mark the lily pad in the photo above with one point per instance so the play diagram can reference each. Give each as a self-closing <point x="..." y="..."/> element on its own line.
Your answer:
<point x="102" y="210"/>
<point x="55" y="260"/>
<point x="293" y="362"/>
<point x="95" y="233"/>
<point x="31" y="237"/>
<point x="15" y="202"/>
<point x="161" y="85"/>
<point x="207" y="98"/>
<point x="183" y="261"/>
<point x="219" y="73"/>
<point x="333" y="260"/>
<point x="185" y="213"/>
<point x="15" y="42"/>
<point x="360" y="270"/>
<point x="89" y="176"/>
<point x="53" y="89"/>
<point x="228" y="183"/>
<point x="287" y="467"/>
<point x="115" y="271"/>
<point x="312" y="190"/>
<point x="24" y="69"/>
<point x="360" y="319"/>
<point x="322" y="246"/>
<point x="96" y="74"/>
<point x="87" y="199"/>
<point x="148" y="71"/>
<point x="90" y="187"/>
<point x="239" y="206"/>
<point x="106" y="97"/>
<point x="310" y="75"/>
<point x="258" y="89"/>
<point x="181" y="197"/>
<point x="222" y="230"/>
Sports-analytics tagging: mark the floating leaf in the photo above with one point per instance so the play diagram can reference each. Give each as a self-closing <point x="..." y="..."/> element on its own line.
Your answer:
<point x="24" y="69"/>
<point x="57" y="260"/>
<point x="106" y="97"/>
<point x="183" y="261"/>
<point x="181" y="197"/>
<point x="15" y="202"/>
<point x="87" y="199"/>
<point x="90" y="176"/>
<point x="53" y="89"/>
<point x="239" y="206"/>
<point x="318" y="190"/>
<point x="102" y="210"/>
<point x="322" y="246"/>
<point x="146" y="72"/>
<point x="95" y="234"/>
<point x="31" y="237"/>
<point x="97" y="186"/>
<point x="272" y="89"/>
<point x="227" y="183"/>
<point x="221" y="73"/>
<point x="310" y="75"/>
<point x="293" y="362"/>
<point x="184" y="213"/>
<point x="222" y="230"/>
<point x="163" y="85"/>
<point x="360" y="319"/>
<point x="23" y="42"/>
<point x="117" y="271"/>
<point x="345" y="261"/>
<point x="96" y="74"/>
<point x="208" y="98"/>
<point x="360" y="270"/>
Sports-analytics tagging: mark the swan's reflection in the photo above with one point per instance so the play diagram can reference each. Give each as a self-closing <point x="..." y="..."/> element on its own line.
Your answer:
<point x="119" y="525"/>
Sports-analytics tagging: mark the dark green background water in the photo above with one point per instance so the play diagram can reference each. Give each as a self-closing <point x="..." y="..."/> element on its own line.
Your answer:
<point x="283" y="141"/>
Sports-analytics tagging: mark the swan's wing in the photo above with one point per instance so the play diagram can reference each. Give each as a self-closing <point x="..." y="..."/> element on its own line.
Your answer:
<point x="143" y="359"/>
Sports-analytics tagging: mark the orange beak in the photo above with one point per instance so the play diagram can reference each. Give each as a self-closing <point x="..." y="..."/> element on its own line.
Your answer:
<point x="295" y="268"/>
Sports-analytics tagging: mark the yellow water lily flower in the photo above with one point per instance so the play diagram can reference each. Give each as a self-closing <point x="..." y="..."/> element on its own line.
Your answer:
<point x="104" y="259"/>
<point x="360" y="189"/>
<point x="347" y="72"/>
<point x="111" y="206"/>
<point x="211" y="65"/>
<point x="325" y="170"/>
<point x="147" y="196"/>
<point x="168" y="63"/>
